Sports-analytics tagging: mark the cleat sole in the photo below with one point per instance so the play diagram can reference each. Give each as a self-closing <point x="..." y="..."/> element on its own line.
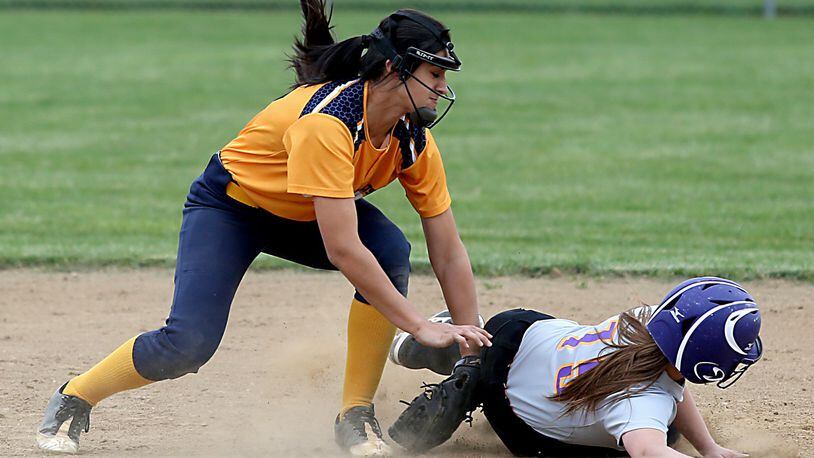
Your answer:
<point x="59" y="443"/>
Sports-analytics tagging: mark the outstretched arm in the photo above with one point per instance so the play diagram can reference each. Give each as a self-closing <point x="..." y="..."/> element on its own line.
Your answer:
<point x="648" y="442"/>
<point x="338" y="226"/>
<point x="689" y="423"/>
<point x="451" y="265"/>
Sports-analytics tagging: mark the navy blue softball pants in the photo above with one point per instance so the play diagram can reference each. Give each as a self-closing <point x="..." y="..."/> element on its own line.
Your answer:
<point x="219" y="239"/>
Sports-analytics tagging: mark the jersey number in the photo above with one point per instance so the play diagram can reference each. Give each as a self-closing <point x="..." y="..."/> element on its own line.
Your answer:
<point x="568" y="372"/>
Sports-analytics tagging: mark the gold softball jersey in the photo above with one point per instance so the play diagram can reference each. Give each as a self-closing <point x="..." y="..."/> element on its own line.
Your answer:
<point x="313" y="142"/>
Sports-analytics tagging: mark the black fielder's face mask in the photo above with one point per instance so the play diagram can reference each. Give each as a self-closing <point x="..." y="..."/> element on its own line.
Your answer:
<point x="403" y="63"/>
<point x="428" y="116"/>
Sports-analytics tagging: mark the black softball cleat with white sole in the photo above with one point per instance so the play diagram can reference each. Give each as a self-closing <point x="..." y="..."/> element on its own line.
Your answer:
<point x="358" y="432"/>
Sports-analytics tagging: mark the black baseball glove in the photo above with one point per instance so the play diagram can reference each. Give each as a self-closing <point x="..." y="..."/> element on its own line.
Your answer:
<point x="436" y="413"/>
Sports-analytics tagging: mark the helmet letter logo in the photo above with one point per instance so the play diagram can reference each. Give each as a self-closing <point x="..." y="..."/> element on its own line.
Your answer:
<point x="709" y="372"/>
<point x="676" y="314"/>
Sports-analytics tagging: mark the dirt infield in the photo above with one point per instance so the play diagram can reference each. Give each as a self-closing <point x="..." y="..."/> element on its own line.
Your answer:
<point x="273" y="388"/>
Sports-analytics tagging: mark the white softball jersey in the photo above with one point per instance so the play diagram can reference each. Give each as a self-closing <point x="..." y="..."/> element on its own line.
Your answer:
<point x="554" y="352"/>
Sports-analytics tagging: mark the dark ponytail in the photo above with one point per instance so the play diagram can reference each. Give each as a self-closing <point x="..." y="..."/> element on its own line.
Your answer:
<point x="317" y="57"/>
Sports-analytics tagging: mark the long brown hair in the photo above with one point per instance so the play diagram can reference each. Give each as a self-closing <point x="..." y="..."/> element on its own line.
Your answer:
<point x="633" y="359"/>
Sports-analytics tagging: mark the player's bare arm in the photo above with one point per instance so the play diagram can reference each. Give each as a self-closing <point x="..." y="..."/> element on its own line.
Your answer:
<point x="337" y="223"/>
<point x="647" y="443"/>
<point x="690" y="423"/>
<point x="451" y="265"/>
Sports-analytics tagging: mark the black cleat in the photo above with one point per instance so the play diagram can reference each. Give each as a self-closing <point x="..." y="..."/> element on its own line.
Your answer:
<point x="359" y="433"/>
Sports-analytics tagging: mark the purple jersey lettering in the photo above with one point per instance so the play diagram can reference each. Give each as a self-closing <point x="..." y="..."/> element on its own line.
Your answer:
<point x="598" y="335"/>
<point x="566" y="374"/>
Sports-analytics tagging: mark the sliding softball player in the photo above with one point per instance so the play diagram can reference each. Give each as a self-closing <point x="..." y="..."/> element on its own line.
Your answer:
<point x="553" y="387"/>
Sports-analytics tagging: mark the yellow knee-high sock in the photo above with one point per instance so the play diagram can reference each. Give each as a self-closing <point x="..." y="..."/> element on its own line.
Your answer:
<point x="113" y="374"/>
<point x="369" y="338"/>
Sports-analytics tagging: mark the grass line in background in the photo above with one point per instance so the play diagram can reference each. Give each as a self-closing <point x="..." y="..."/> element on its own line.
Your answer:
<point x="624" y="7"/>
<point x="628" y="7"/>
<point x="596" y="144"/>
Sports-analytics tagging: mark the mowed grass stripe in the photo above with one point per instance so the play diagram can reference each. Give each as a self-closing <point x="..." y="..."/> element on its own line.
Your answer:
<point x="654" y="145"/>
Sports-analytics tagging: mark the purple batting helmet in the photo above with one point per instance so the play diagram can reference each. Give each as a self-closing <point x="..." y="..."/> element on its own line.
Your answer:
<point x="708" y="327"/>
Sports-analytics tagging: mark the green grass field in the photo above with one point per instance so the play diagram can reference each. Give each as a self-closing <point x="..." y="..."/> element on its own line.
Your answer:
<point x="599" y="144"/>
<point x="752" y="7"/>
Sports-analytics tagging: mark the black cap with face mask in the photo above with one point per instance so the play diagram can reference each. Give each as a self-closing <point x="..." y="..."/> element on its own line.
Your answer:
<point x="403" y="63"/>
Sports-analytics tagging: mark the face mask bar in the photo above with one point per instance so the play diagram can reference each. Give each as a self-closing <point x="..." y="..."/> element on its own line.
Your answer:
<point x="741" y="367"/>
<point x="733" y="377"/>
<point x="425" y="116"/>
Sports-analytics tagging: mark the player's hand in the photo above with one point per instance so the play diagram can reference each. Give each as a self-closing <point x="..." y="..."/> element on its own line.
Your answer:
<point x="442" y="335"/>
<point x="716" y="451"/>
